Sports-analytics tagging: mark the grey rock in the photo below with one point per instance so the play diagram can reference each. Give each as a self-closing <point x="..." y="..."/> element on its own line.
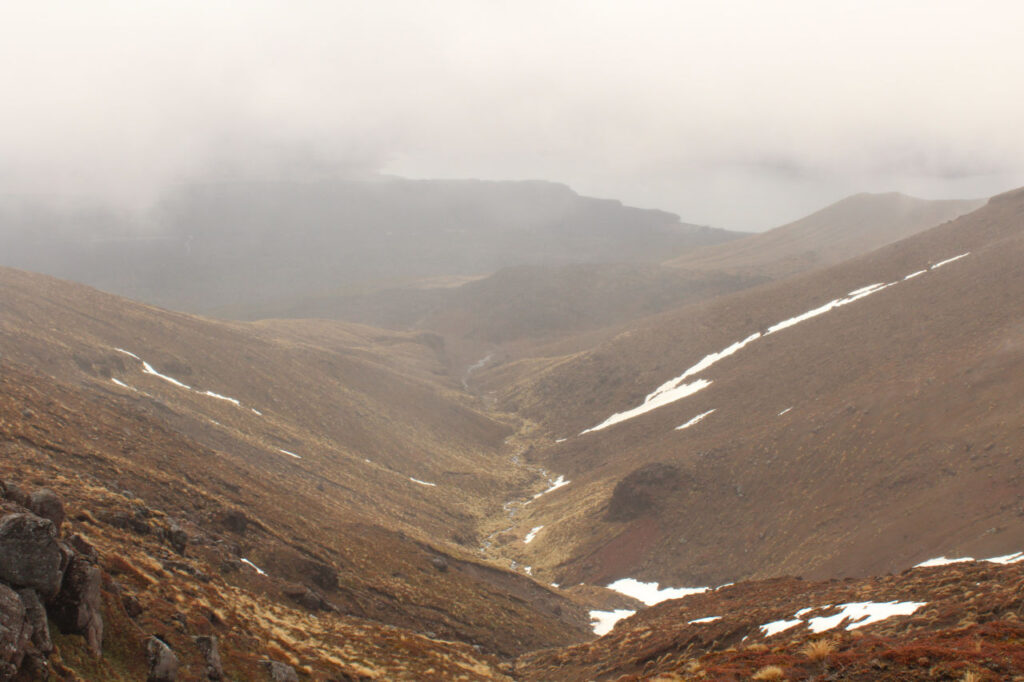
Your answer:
<point x="45" y="503"/>
<point x="281" y="672"/>
<point x="77" y="608"/>
<point x="163" y="663"/>
<point x="15" y="494"/>
<point x="30" y="555"/>
<point x="15" y="633"/>
<point x="208" y="647"/>
<point x="177" y="537"/>
<point x="35" y="614"/>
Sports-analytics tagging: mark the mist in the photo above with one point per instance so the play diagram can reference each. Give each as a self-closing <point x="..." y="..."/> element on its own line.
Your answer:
<point x="741" y="115"/>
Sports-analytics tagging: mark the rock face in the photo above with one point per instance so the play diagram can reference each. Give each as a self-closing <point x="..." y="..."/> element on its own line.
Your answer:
<point x="15" y="633"/>
<point x="640" y="491"/>
<point x="30" y="555"/>
<point x="77" y="607"/>
<point x="208" y="647"/>
<point x="163" y="664"/>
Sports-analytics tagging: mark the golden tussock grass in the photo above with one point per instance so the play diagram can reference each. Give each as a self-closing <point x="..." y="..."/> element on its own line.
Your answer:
<point x="819" y="649"/>
<point x="769" y="672"/>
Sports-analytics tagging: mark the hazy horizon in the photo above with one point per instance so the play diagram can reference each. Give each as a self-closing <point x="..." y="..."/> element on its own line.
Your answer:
<point x="744" y="115"/>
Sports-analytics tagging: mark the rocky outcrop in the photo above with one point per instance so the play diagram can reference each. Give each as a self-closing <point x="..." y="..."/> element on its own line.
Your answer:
<point x="15" y="633"/>
<point x="43" y="579"/>
<point x="30" y="555"/>
<point x="45" y="503"/>
<point x="163" y="663"/>
<point x="77" y="607"/>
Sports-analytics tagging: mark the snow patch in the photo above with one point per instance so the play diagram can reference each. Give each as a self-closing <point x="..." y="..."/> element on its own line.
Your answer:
<point x="559" y="440"/>
<point x="555" y="485"/>
<point x="785" y="411"/>
<point x="709" y="619"/>
<point x="126" y="352"/>
<point x="660" y="398"/>
<point x="532" y="534"/>
<point x="777" y="626"/>
<point x="677" y="389"/>
<point x="693" y="421"/>
<point x="122" y="384"/>
<point x="863" y="613"/>
<point x="604" y="621"/>
<point x="914" y="274"/>
<point x="257" y="568"/>
<point x="416" y="480"/>
<point x="944" y="561"/>
<point x="290" y="454"/>
<point x="950" y="260"/>
<point x="218" y="396"/>
<point x="652" y="593"/>
<point x="148" y="369"/>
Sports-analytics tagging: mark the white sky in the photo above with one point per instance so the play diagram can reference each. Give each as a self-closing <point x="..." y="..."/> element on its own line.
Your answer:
<point x="741" y="114"/>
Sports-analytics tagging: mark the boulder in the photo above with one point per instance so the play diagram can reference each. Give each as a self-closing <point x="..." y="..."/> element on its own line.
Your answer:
<point x="15" y="494"/>
<point x="208" y="648"/>
<point x="36" y="665"/>
<point x="15" y="633"/>
<point x="77" y="608"/>
<point x="35" y="614"/>
<point x="163" y="664"/>
<point x="30" y="555"/>
<point x="177" y="538"/>
<point x="45" y="503"/>
<point x="281" y="672"/>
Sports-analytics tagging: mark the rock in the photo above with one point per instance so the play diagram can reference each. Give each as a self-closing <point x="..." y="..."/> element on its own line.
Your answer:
<point x="281" y="672"/>
<point x="163" y="664"/>
<point x="642" y="489"/>
<point x="30" y="555"/>
<point x="208" y="647"/>
<point x="45" y="503"/>
<point x="177" y="537"/>
<point x="15" y="633"/>
<point x="77" y="608"/>
<point x="35" y="614"/>
<point x="307" y="598"/>
<point x="131" y="606"/>
<point x="83" y="548"/>
<point x="15" y="494"/>
<point x="36" y="665"/>
<point x="439" y="563"/>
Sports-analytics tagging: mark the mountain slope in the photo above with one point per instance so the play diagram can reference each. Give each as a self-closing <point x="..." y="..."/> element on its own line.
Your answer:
<point x="879" y="429"/>
<point x="247" y="433"/>
<point x="848" y="228"/>
<point x="231" y="245"/>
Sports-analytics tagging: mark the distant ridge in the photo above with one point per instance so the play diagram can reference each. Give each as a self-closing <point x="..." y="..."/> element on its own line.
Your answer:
<point x="855" y="225"/>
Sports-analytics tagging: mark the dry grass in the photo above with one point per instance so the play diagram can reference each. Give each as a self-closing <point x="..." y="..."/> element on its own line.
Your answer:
<point x="769" y="672"/>
<point x="819" y="649"/>
<point x="971" y="676"/>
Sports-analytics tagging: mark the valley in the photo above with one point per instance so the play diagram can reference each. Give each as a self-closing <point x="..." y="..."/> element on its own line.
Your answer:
<point x="443" y="482"/>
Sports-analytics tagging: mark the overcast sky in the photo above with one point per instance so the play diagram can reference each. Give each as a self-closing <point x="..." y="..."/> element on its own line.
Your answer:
<point x="742" y="114"/>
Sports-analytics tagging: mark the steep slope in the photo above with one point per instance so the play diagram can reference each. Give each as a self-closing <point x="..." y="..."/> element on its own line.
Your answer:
<point x="848" y="228"/>
<point x="958" y="622"/>
<point x="338" y="459"/>
<point x="229" y="245"/>
<point x="844" y="422"/>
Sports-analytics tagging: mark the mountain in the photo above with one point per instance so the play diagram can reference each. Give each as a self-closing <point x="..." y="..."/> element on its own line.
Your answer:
<point x="315" y="468"/>
<point x="209" y="246"/>
<point x="848" y="228"/>
<point x="847" y="421"/>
